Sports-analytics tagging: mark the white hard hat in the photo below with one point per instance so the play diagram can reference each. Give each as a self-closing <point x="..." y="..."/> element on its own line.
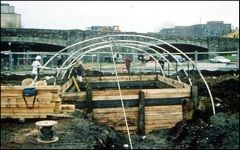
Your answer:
<point x="38" y="57"/>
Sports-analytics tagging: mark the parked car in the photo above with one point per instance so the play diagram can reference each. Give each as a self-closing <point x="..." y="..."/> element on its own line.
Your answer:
<point x="178" y="57"/>
<point x="220" y="59"/>
<point x="117" y="57"/>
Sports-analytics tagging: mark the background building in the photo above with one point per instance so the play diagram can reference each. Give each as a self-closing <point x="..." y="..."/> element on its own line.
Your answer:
<point x="212" y="28"/>
<point x="9" y="19"/>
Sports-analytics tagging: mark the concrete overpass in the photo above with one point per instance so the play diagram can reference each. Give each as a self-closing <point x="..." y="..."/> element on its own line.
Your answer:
<point x="55" y="40"/>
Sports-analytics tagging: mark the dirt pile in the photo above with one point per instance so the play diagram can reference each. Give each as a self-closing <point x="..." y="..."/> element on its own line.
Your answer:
<point x="224" y="86"/>
<point x="78" y="132"/>
<point x="221" y="132"/>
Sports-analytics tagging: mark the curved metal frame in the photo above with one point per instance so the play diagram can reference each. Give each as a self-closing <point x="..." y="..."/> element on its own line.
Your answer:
<point x="140" y="36"/>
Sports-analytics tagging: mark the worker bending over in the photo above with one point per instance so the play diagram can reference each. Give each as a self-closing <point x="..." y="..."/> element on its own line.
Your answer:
<point x="78" y="73"/>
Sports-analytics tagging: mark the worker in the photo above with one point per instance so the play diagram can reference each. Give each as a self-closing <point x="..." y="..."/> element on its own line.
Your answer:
<point x="59" y="61"/>
<point x="128" y="63"/>
<point x="36" y="66"/>
<point x="161" y="62"/>
<point x="78" y="72"/>
<point x="117" y="57"/>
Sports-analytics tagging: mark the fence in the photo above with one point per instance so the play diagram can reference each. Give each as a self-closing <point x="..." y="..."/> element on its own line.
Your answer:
<point x="23" y="60"/>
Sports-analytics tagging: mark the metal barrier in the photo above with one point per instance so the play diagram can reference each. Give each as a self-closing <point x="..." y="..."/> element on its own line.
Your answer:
<point x="16" y="60"/>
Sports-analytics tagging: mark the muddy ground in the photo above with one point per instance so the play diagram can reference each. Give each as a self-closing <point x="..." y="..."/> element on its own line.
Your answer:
<point x="81" y="131"/>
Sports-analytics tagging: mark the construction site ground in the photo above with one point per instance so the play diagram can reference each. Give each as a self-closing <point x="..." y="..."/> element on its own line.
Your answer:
<point x="82" y="131"/>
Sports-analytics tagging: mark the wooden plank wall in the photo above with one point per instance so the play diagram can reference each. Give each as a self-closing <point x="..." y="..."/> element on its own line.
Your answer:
<point x="47" y="102"/>
<point x="156" y="117"/>
<point x="163" y="115"/>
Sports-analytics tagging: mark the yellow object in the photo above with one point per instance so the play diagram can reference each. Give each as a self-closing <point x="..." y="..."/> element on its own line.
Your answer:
<point x="75" y="83"/>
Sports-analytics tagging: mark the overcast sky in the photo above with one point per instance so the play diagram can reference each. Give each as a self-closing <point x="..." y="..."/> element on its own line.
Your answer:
<point x="137" y="16"/>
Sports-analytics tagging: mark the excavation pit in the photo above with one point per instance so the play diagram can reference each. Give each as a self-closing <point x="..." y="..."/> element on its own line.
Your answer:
<point x="151" y="101"/>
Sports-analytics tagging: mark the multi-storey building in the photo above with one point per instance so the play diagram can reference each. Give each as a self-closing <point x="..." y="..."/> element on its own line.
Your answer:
<point x="9" y="19"/>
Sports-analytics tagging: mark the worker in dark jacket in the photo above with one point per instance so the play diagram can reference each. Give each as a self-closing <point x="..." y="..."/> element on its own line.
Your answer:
<point x="59" y="61"/>
<point x="78" y="71"/>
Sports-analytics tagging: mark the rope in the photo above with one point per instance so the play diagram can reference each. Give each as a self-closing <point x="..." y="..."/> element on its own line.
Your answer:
<point x="120" y="93"/>
<point x="46" y="133"/>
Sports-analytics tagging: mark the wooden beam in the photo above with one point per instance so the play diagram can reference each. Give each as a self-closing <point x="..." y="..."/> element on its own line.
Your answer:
<point x="149" y="94"/>
<point x="66" y="86"/>
<point x="75" y="83"/>
<point x="73" y="96"/>
<point x="123" y="84"/>
<point x="115" y="110"/>
<point x="121" y="78"/>
<point x="20" y="88"/>
<point x="172" y="82"/>
<point x="128" y="103"/>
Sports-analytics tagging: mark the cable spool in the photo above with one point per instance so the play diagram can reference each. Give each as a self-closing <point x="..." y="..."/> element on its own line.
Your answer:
<point x="46" y="131"/>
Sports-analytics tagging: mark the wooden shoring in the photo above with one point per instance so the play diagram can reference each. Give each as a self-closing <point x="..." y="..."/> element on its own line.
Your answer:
<point x="82" y="104"/>
<point x="112" y="94"/>
<point x="111" y="98"/>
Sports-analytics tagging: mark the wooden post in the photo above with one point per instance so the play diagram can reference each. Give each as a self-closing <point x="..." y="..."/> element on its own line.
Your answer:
<point x="194" y="91"/>
<point x="141" y="113"/>
<point x="89" y="99"/>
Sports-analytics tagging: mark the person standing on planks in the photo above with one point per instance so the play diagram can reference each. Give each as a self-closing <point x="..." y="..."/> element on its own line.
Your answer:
<point x="36" y="66"/>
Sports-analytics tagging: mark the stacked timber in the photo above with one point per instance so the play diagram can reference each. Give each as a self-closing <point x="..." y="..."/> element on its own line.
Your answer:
<point x="47" y="102"/>
<point x="114" y="118"/>
<point x="162" y="117"/>
<point x="156" y="117"/>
